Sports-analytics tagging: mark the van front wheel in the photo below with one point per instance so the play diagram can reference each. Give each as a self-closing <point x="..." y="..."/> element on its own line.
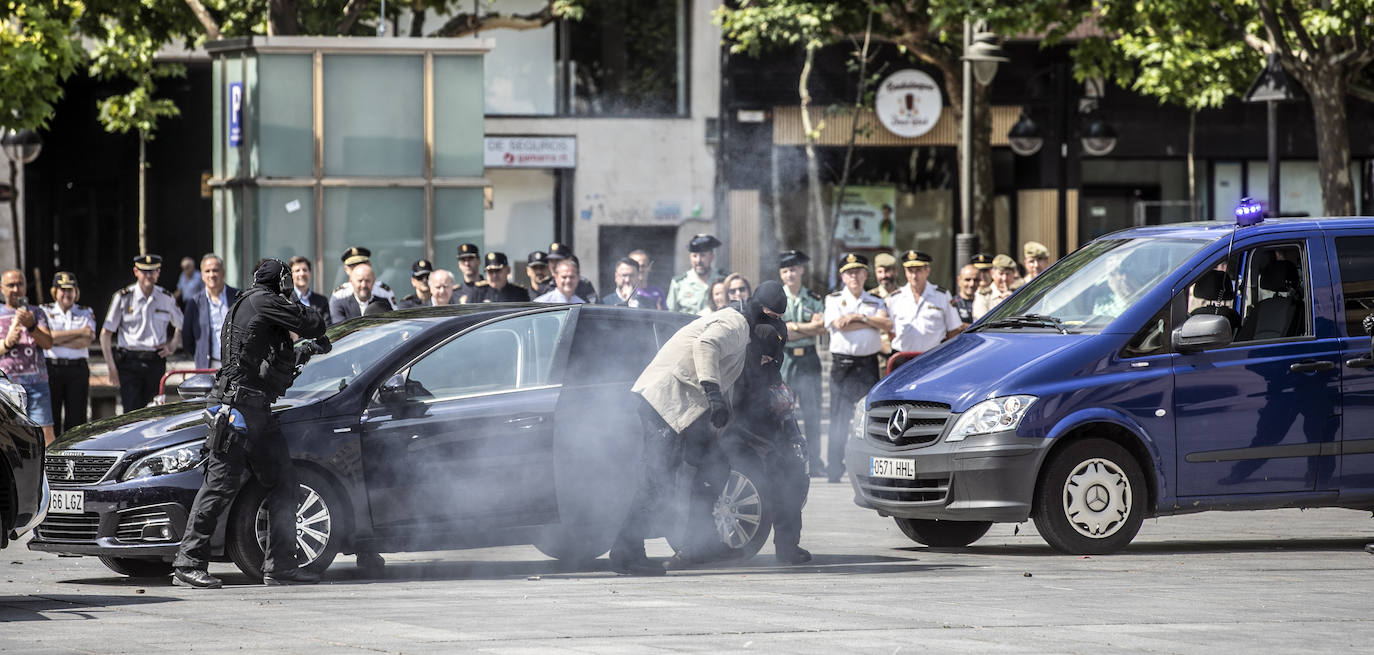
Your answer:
<point x="943" y="534"/>
<point x="1091" y="499"/>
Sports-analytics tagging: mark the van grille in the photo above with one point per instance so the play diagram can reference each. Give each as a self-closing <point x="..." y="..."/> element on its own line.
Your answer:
<point x="70" y="527"/>
<point x="77" y="469"/>
<point x="920" y="490"/>
<point x="924" y="423"/>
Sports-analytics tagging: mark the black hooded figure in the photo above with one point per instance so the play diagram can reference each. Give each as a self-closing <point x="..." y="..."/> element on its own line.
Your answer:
<point x="259" y="364"/>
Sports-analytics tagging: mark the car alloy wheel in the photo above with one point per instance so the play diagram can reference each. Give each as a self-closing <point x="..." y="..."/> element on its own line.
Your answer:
<point x="738" y="511"/>
<point x="1097" y="498"/>
<point x="314" y="525"/>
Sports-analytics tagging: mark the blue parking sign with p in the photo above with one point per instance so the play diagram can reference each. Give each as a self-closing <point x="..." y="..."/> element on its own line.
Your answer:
<point x="235" y="114"/>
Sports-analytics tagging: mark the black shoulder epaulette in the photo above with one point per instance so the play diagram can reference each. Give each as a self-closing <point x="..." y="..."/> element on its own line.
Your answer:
<point x="813" y="294"/>
<point x="940" y="289"/>
<point x="384" y="286"/>
<point x="834" y="293"/>
<point x="125" y="291"/>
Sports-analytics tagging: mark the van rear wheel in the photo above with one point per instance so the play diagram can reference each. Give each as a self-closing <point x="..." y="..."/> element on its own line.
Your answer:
<point x="943" y="534"/>
<point x="1091" y="499"/>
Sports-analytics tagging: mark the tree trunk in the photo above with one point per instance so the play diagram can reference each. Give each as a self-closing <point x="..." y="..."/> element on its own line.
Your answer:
<point x="281" y="18"/>
<point x="818" y="241"/>
<point x="417" y="19"/>
<point x="1327" y="89"/>
<point x="838" y="198"/>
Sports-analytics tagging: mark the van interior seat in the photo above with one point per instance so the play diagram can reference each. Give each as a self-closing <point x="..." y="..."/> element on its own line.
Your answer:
<point x="1215" y="286"/>
<point x="1279" y="316"/>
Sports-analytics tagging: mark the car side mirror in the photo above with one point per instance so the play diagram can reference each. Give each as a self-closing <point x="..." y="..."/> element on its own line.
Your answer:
<point x="1201" y="332"/>
<point x="393" y="391"/>
<point x="196" y="386"/>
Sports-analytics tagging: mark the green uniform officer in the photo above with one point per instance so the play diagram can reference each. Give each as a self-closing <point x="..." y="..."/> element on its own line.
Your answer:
<point x="690" y="292"/>
<point x="801" y="366"/>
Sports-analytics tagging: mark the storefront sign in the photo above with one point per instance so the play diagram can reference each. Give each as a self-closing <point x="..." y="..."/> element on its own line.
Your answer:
<point x="530" y="152"/>
<point x="908" y="103"/>
<point x="867" y="219"/>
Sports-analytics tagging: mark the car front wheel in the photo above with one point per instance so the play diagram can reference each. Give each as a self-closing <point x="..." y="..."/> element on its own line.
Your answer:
<point x="320" y="525"/>
<point x="1091" y="499"/>
<point x="138" y="568"/>
<point x="943" y="534"/>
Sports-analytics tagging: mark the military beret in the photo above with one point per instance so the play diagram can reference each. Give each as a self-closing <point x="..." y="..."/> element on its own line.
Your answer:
<point x="537" y="258"/>
<point x="981" y="261"/>
<point x="853" y="260"/>
<point x="64" y="280"/>
<point x="468" y="250"/>
<point x="703" y="243"/>
<point x="884" y="259"/>
<point x="559" y="251"/>
<point x="789" y="258"/>
<point x="148" y="262"/>
<point x="1035" y="250"/>
<point x="497" y="260"/>
<point x="356" y="255"/>
<point x="422" y="268"/>
<point x="913" y="258"/>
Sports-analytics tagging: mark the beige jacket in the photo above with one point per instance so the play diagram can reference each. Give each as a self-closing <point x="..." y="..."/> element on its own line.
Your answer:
<point x="709" y="349"/>
<point x="986" y="299"/>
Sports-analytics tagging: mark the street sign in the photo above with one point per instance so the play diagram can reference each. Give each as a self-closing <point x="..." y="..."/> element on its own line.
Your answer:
<point x="235" y="114"/>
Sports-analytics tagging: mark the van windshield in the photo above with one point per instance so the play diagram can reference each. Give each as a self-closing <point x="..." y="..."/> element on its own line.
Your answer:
<point x="1092" y="286"/>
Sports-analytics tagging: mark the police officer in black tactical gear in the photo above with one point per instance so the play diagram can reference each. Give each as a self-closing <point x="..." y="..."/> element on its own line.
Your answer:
<point x="259" y="365"/>
<point x="767" y="427"/>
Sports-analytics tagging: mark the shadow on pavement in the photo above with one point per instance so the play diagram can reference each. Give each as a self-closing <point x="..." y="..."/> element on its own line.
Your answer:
<point x="1171" y="547"/>
<point x="485" y="570"/>
<point x="30" y="608"/>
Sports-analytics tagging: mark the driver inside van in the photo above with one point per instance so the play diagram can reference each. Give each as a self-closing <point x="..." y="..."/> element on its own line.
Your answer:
<point x="1125" y="280"/>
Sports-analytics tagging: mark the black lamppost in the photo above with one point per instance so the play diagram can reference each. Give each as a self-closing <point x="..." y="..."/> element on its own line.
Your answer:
<point x="980" y="58"/>
<point x="1272" y="87"/>
<point x="21" y="147"/>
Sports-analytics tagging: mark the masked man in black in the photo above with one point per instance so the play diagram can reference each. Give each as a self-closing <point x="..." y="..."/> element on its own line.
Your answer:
<point x="259" y="365"/>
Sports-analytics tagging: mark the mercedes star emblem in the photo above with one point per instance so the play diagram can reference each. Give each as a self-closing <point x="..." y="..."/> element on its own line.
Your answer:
<point x="896" y="425"/>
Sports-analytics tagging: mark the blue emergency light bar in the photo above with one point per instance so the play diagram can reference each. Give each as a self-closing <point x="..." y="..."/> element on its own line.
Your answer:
<point x="1249" y="212"/>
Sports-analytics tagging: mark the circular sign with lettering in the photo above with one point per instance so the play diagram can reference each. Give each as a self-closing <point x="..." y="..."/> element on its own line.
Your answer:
<point x="908" y="103"/>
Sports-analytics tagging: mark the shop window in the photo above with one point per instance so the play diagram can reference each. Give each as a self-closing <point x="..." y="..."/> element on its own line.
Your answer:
<point x="628" y="58"/>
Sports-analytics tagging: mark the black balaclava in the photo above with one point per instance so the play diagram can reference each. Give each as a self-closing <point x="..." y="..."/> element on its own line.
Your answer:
<point x="769" y="295"/>
<point x="274" y="275"/>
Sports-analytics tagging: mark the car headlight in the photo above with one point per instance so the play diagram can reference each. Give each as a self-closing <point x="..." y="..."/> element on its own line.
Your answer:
<point x="996" y="415"/>
<point x="858" y="423"/>
<point x="168" y="460"/>
<point x="15" y="394"/>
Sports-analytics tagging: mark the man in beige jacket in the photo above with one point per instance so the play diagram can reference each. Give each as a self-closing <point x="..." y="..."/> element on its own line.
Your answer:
<point x="683" y="391"/>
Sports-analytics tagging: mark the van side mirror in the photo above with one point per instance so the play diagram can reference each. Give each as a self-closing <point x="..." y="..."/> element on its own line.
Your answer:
<point x="393" y="391"/>
<point x="1201" y="332"/>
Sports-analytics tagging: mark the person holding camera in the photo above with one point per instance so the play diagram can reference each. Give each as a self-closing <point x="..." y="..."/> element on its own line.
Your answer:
<point x="259" y="365"/>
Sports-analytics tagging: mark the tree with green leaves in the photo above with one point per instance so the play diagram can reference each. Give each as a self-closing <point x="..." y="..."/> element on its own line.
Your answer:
<point x="1199" y="53"/>
<point x="39" y="50"/>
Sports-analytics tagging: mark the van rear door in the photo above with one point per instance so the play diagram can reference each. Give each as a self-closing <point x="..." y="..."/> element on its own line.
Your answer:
<point x="1354" y="266"/>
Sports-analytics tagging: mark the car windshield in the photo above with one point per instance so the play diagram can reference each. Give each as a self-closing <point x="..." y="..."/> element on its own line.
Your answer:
<point x="1092" y="286"/>
<point x="358" y="344"/>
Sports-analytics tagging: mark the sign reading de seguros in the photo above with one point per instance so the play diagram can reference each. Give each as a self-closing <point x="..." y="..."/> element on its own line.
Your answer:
<point x="908" y="103"/>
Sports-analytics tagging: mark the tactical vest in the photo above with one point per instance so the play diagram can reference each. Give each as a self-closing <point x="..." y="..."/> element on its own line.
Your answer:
<point x="257" y="354"/>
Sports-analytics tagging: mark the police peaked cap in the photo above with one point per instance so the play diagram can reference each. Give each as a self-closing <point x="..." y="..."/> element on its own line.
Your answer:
<point x="853" y="260"/>
<point x="981" y="261"/>
<point x="559" y="251"/>
<point x="913" y="258"/>
<point x="497" y="260"/>
<point x="64" y="280"/>
<point x="422" y="268"/>
<point x="469" y="250"/>
<point x="789" y="258"/>
<point x="537" y="258"/>
<point x="703" y="243"/>
<point x="148" y="262"/>
<point x="356" y="255"/>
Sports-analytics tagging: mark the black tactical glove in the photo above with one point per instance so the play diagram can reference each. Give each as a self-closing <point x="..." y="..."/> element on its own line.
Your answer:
<point x="322" y="344"/>
<point x="720" y="411"/>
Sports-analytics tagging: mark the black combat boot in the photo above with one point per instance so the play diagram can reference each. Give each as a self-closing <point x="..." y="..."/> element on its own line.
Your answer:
<point x="294" y="576"/>
<point x="791" y="554"/>
<point x="198" y="578"/>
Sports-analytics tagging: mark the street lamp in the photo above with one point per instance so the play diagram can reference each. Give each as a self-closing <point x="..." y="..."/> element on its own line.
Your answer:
<point x="1025" y="138"/>
<point x="981" y="56"/>
<point x="21" y="147"/>
<point x="1099" y="138"/>
<point x="1272" y="87"/>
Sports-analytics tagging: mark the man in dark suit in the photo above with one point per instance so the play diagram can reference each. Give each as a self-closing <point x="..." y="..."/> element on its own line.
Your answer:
<point x="361" y="302"/>
<point x="301" y="274"/>
<point x="205" y="312"/>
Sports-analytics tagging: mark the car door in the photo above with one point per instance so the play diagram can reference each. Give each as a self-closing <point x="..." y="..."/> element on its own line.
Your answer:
<point x="1261" y="414"/>
<point x="599" y="435"/>
<point x="1354" y="264"/>
<point x="468" y="442"/>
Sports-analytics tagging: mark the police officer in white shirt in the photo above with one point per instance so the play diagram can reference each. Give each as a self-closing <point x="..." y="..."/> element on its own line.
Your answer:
<point x="69" y="372"/>
<point x="139" y="315"/>
<point x="856" y="320"/>
<point x="922" y="314"/>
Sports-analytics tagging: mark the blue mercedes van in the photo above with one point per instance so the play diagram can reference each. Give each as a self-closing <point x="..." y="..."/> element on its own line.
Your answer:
<point x="1155" y="371"/>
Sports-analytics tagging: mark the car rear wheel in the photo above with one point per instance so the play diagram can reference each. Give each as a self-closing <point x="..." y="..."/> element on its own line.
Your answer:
<point x="743" y="514"/>
<point x="1091" y="499"/>
<point x="138" y="568"/>
<point x="320" y="525"/>
<point x="943" y="534"/>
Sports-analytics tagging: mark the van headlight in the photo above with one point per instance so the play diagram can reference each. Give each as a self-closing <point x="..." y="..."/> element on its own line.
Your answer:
<point x="168" y="460"/>
<point x="858" y="422"/>
<point x="996" y="415"/>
